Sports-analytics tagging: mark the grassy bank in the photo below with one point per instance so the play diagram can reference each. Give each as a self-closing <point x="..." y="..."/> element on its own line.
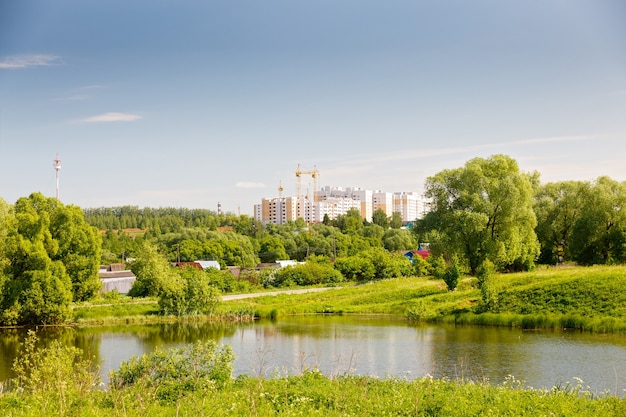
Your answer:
<point x="312" y="394"/>
<point x="590" y="299"/>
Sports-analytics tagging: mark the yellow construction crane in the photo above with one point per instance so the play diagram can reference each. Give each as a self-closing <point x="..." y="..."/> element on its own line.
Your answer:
<point x="280" y="189"/>
<point x="313" y="174"/>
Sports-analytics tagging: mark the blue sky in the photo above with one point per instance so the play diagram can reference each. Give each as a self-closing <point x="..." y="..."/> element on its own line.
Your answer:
<point x="184" y="104"/>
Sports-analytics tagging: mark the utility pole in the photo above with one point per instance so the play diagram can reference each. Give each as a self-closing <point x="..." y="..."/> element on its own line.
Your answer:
<point x="57" y="168"/>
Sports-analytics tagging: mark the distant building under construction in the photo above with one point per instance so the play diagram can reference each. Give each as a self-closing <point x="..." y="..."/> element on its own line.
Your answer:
<point x="336" y="201"/>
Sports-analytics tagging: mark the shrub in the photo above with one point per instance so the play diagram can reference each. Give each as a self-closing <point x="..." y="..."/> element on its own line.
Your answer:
<point x="421" y="267"/>
<point x="356" y="268"/>
<point x="451" y="275"/>
<point x="488" y="291"/>
<point x="56" y="376"/>
<point x="171" y="372"/>
<point x="387" y="265"/>
<point x="189" y="293"/>
<point x="437" y="266"/>
<point x="306" y="274"/>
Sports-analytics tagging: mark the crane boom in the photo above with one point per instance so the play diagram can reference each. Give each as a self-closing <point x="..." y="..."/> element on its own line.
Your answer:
<point x="314" y="174"/>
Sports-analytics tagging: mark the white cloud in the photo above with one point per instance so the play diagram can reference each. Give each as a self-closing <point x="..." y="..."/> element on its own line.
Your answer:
<point x="28" y="61"/>
<point x="111" y="117"/>
<point x="249" y="184"/>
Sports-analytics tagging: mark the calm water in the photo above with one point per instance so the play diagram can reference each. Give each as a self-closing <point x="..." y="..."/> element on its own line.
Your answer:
<point x="368" y="346"/>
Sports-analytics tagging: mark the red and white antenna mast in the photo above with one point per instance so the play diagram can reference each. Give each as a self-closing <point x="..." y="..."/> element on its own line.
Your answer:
<point x="57" y="168"/>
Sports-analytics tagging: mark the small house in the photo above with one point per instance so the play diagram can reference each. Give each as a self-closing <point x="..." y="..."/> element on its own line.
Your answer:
<point x="115" y="278"/>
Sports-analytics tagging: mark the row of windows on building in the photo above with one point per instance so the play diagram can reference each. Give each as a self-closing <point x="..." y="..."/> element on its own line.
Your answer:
<point x="336" y="201"/>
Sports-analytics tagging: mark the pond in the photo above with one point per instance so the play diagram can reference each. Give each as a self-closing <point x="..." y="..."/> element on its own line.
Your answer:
<point x="382" y="347"/>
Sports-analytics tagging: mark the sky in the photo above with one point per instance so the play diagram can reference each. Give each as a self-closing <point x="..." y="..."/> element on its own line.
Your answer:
<point x="191" y="103"/>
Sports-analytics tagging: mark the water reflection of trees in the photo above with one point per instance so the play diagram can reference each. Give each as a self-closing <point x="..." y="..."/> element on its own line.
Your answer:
<point x="11" y="340"/>
<point x="174" y="333"/>
<point x="89" y="338"/>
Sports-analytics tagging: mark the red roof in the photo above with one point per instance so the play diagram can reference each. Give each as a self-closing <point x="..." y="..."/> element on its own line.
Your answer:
<point x="186" y="264"/>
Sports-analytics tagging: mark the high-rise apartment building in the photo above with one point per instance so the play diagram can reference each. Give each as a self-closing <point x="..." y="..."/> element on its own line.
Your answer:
<point x="337" y="201"/>
<point x="382" y="200"/>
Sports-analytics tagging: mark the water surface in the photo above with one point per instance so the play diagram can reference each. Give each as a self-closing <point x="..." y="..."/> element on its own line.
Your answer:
<point x="374" y="346"/>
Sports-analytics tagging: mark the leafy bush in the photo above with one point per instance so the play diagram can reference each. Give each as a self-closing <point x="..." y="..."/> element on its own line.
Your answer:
<point x="437" y="266"/>
<point x="152" y="270"/>
<point x="451" y="275"/>
<point x="191" y="368"/>
<point x="228" y="283"/>
<point x="387" y="265"/>
<point x="356" y="268"/>
<point x="488" y="291"/>
<point x="374" y="264"/>
<point x="421" y="267"/>
<point x="189" y="293"/>
<point x="311" y="273"/>
<point x="56" y="376"/>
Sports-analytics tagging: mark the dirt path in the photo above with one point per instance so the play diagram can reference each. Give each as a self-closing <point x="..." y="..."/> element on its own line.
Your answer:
<point x="263" y="294"/>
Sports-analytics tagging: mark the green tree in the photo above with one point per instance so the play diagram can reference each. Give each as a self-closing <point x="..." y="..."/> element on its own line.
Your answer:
<point x="558" y="207"/>
<point x="488" y="290"/>
<point x="396" y="220"/>
<point x="481" y="211"/>
<point x="271" y="248"/>
<point x="356" y="268"/>
<point x="351" y="222"/>
<point x="36" y="288"/>
<point x="452" y="274"/>
<point x="79" y="249"/>
<point x="380" y="218"/>
<point x="189" y="293"/>
<point x="598" y="236"/>
<point x="7" y="219"/>
<point x="399" y="239"/>
<point x="152" y="271"/>
<point x="373" y="233"/>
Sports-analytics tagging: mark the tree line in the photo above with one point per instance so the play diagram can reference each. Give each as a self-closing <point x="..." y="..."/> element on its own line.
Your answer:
<point x="489" y="211"/>
<point x="486" y="215"/>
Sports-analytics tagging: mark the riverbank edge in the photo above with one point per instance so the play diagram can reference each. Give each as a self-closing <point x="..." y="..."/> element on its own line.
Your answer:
<point x="415" y="299"/>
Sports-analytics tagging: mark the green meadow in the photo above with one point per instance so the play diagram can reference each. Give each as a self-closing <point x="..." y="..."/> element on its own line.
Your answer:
<point x="583" y="298"/>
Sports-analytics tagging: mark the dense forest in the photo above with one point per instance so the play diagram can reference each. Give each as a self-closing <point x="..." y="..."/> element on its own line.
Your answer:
<point x="484" y="214"/>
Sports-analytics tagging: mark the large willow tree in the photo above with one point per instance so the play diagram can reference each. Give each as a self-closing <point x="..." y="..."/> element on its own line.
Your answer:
<point x="483" y="211"/>
<point x="48" y="257"/>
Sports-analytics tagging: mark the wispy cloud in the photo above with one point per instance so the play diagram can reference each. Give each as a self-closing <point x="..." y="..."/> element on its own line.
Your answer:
<point x="359" y="165"/>
<point x="29" y="61"/>
<point x="111" y="118"/>
<point x="81" y="93"/>
<point x="551" y="139"/>
<point x="249" y="184"/>
<point x="411" y="154"/>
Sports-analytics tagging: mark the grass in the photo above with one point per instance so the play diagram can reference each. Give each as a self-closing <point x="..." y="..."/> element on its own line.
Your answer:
<point x="312" y="394"/>
<point x="111" y="309"/>
<point x="57" y="380"/>
<point x="583" y="298"/>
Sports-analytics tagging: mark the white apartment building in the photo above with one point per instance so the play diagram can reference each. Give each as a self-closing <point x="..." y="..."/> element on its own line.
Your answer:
<point x="408" y="205"/>
<point x="384" y="201"/>
<point x="350" y="195"/>
<point x="334" y="207"/>
<point x="336" y="201"/>
<point x="278" y="210"/>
